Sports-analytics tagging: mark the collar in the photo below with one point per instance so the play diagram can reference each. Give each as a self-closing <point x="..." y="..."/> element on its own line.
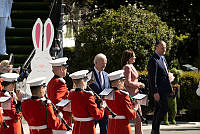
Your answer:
<point x="3" y="90"/>
<point x="78" y="89"/>
<point x="56" y="76"/>
<point x="158" y="55"/>
<point x="35" y="97"/>
<point x="115" y="88"/>
<point x="98" y="71"/>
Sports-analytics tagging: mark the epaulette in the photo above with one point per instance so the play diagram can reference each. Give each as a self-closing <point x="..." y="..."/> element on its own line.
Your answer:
<point x="45" y="99"/>
<point x="125" y="92"/>
<point x="62" y="80"/>
<point x="90" y="92"/>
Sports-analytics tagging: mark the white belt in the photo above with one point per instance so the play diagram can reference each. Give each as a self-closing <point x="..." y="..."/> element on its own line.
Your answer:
<point x="7" y="118"/>
<point x="60" y="132"/>
<point x="117" y="117"/>
<point x="83" y="119"/>
<point x="38" y="127"/>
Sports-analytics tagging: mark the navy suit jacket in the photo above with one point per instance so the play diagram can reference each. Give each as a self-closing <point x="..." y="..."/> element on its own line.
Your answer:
<point x="96" y="86"/>
<point x="158" y="76"/>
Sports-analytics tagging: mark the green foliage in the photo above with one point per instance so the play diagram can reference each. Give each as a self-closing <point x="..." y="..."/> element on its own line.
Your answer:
<point x="115" y="31"/>
<point x="182" y="37"/>
<point x="177" y="74"/>
<point x="188" y="98"/>
<point x="183" y="16"/>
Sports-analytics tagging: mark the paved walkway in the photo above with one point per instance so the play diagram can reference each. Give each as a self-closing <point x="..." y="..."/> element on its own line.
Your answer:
<point x="180" y="128"/>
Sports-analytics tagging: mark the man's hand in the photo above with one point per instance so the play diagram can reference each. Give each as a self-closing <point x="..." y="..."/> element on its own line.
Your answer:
<point x="156" y="97"/>
<point x="172" y="92"/>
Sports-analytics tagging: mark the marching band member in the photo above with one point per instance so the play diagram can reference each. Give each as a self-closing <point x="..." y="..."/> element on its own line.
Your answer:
<point x="11" y="107"/>
<point x="38" y="111"/>
<point x="56" y="88"/>
<point x="84" y="108"/>
<point x="121" y="105"/>
<point x="1" y="117"/>
<point x="4" y="65"/>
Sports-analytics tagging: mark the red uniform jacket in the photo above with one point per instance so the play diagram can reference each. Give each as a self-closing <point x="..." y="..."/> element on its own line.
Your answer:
<point x="1" y="87"/>
<point x="122" y="106"/>
<point x="56" y="91"/>
<point x="37" y="113"/>
<point x="84" y="106"/>
<point x="1" y="116"/>
<point x="12" y="117"/>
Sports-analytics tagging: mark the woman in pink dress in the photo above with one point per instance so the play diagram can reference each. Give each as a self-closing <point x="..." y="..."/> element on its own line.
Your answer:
<point x="131" y="82"/>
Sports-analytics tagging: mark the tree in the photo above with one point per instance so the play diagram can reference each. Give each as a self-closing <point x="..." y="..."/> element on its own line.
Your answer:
<point x="183" y="15"/>
<point x="115" y="31"/>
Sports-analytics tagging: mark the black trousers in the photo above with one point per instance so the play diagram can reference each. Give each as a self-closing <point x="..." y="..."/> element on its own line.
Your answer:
<point x="103" y="124"/>
<point x="161" y="108"/>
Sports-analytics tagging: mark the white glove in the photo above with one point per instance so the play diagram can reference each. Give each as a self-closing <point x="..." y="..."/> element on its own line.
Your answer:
<point x="103" y="104"/>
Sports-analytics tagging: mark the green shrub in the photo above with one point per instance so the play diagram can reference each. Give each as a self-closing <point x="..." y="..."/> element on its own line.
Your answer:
<point x="115" y="31"/>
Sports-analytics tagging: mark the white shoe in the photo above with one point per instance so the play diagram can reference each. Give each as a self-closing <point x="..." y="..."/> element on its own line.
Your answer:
<point x="4" y="54"/>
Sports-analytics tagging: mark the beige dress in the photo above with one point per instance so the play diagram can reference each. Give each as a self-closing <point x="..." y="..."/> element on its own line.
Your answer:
<point x="131" y="84"/>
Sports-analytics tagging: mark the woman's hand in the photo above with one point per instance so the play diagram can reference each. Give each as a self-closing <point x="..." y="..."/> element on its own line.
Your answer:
<point x="141" y="85"/>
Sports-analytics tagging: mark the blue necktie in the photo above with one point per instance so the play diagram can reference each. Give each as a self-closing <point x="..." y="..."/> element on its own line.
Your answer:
<point x="162" y="58"/>
<point x="100" y="79"/>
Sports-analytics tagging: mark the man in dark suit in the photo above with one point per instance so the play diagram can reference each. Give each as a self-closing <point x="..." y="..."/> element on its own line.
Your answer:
<point x="101" y="81"/>
<point x="159" y="84"/>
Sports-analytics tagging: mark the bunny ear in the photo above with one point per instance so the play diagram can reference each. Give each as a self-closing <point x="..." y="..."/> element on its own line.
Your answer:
<point x="37" y="34"/>
<point x="48" y="34"/>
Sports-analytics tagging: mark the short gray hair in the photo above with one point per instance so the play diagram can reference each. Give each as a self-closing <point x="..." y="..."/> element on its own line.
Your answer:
<point x="99" y="56"/>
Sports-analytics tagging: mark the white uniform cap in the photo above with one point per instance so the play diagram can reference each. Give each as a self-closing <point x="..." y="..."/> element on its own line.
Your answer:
<point x="79" y="74"/>
<point x="37" y="81"/>
<point x="10" y="77"/>
<point x="59" y="62"/>
<point x="116" y="75"/>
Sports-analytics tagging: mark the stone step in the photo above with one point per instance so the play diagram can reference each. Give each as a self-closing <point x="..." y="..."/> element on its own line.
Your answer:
<point x="20" y="49"/>
<point x="31" y="5"/>
<point x="18" y="31"/>
<point x="30" y="14"/>
<point x="13" y="40"/>
<point x="24" y="23"/>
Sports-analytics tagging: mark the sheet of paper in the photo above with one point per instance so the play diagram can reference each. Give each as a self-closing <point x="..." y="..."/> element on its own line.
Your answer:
<point x="139" y="96"/>
<point x="111" y="96"/>
<point x="63" y="103"/>
<point x="106" y="91"/>
<point x="7" y="105"/>
<point x="68" y="108"/>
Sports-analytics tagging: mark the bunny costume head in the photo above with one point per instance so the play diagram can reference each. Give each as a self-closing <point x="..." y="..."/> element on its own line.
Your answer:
<point x="40" y="65"/>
